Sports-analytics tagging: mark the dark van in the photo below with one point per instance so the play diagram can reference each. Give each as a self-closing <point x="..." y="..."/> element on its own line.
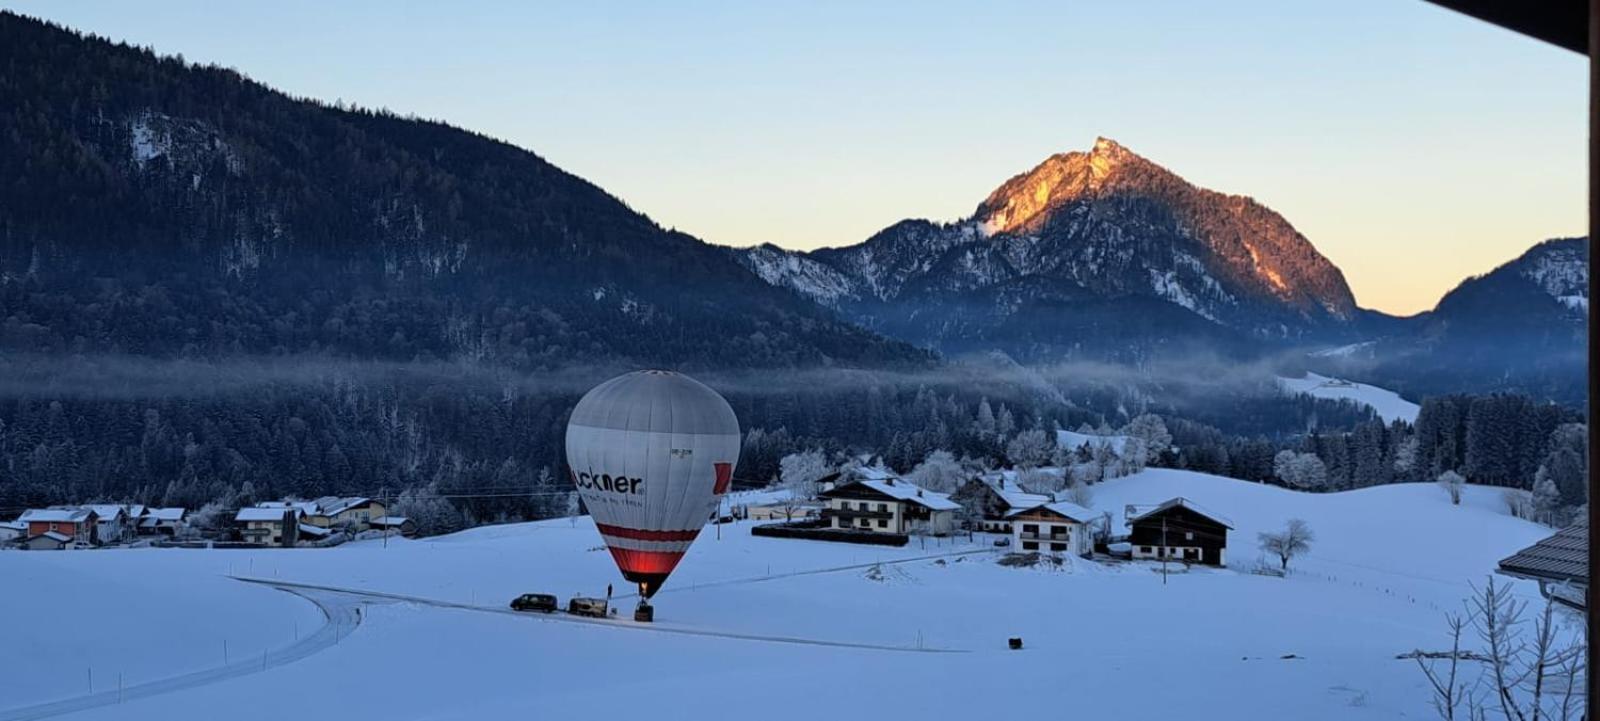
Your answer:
<point x="542" y="602"/>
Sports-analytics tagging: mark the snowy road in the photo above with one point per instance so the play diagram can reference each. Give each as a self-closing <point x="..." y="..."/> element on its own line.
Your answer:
<point x="343" y="615"/>
<point x="603" y="622"/>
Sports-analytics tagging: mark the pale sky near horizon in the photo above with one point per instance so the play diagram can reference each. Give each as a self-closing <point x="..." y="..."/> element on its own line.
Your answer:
<point x="1412" y="145"/>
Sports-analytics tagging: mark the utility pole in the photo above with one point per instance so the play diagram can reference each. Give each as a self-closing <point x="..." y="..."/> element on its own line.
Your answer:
<point x="1163" y="550"/>
<point x="386" y="516"/>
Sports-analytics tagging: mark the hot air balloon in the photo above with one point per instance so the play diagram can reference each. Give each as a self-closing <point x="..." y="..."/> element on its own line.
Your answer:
<point x="651" y="453"/>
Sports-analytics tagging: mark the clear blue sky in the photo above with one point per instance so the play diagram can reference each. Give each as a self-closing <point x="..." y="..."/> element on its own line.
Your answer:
<point x="1412" y="145"/>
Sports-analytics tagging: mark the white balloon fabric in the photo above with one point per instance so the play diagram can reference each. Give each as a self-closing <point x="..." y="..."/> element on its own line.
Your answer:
<point x="651" y="453"/>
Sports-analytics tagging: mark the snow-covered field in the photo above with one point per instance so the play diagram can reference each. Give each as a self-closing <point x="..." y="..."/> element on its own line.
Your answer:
<point x="1104" y="640"/>
<point x="1386" y="403"/>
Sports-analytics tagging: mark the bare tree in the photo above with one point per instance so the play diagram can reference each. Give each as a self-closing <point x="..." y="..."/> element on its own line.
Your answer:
<point x="1529" y="680"/>
<point x="1449" y="692"/>
<point x="1452" y="482"/>
<point x="1294" y="540"/>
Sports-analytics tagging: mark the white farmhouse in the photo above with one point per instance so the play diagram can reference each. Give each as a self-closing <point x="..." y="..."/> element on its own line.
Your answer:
<point x="1055" y="527"/>
<point x="879" y="501"/>
<point x="111" y="523"/>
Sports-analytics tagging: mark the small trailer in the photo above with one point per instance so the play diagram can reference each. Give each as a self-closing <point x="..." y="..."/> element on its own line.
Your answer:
<point x="592" y="607"/>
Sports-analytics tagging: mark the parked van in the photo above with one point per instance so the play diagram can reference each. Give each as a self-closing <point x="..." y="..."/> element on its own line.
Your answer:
<point x="580" y="606"/>
<point x="542" y="602"/>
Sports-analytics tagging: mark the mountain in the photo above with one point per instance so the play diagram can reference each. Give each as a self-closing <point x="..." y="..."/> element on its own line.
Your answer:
<point x="1520" y="328"/>
<point x="153" y="207"/>
<point x="1099" y="254"/>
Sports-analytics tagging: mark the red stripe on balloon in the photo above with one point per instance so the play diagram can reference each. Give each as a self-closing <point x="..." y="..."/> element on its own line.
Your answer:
<point x="642" y="535"/>
<point x="724" y="477"/>
<point x="646" y="562"/>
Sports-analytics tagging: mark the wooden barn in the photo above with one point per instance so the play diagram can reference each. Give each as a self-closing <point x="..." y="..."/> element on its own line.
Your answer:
<point x="1178" y="530"/>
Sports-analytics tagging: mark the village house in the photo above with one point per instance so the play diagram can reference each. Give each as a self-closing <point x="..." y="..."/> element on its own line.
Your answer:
<point x="781" y="511"/>
<point x="336" y="511"/>
<point x="77" y="524"/>
<point x="988" y="499"/>
<point x="1178" y="530"/>
<point x="163" y="522"/>
<point x="12" y="531"/>
<point x="112" y="524"/>
<point x="1054" y="527"/>
<point x="395" y="524"/>
<point x="1559" y="563"/>
<point x="48" y="541"/>
<point x="277" y="525"/>
<point x="875" y="499"/>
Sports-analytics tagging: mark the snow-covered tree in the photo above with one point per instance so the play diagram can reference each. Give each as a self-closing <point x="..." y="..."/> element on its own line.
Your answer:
<point x="799" y="473"/>
<point x="939" y="472"/>
<point x="1030" y="449"/>
<point x="1294" y="540"/>
<point x="1039" y="480"/>
<point x="1301" y="470"/>
<point x="1283" y="465"/>
<point x="1078" y="493"/>
<point x="1547" y="506"/>
<point x="1150" y="429"/>
<point x="1452" y="484"/>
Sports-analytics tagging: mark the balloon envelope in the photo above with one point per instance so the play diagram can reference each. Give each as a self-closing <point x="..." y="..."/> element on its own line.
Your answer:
<point x="651" y="453"/>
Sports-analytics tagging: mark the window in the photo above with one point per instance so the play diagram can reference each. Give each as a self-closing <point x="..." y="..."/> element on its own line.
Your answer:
<point x="1058" y="546"/>
<point x="1188" y="536"/>
<point x="1030" y="546"/>
<point x="1030" y="528"/>
<point x="883" y="507"/>
<point x="1144" y="549"/>
<point x="883" y="523"/>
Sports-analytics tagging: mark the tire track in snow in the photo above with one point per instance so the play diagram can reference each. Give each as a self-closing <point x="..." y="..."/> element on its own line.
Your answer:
<point x="811" y="572"/>
<point x="342" y="617"/>
<point x="601" y="622"/>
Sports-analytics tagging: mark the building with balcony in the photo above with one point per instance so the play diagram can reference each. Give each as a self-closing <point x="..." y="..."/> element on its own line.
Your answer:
<point x="877" y="500"/>
<point x="1059" y="527"/>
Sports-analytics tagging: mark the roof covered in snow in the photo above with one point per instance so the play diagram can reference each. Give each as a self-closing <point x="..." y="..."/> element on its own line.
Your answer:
<point x="902" y="490"/>
<point x="1067" y="509"/>
<point x="317" y="531"/>
<point x="167" y="514"/>
<point x="1004" y="484"/>
<point x="267" y="513"/>
<point x="334" y="505"/>
<point x="389" y="521"/>
<point x="1561" y="557"/>
<point x="1138" y="512"/>
<point x="57" y="537"/>
<point x="106" y="510"/>
<point x="59" y="515"/>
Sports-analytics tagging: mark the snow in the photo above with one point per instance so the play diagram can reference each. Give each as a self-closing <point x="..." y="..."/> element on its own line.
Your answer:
<point x="1386" y="403"/>
<point x="246" y="515"/>
<point x="1575" y="302"/>
<point x="1066" y="508"/>
<point x="1386" y="564"/>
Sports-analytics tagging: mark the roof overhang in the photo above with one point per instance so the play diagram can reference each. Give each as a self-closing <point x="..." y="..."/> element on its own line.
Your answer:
<point x="1563" y="23"/>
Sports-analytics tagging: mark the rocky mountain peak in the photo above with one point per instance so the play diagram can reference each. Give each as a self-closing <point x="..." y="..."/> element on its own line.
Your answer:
<point x="1024" y="203"/>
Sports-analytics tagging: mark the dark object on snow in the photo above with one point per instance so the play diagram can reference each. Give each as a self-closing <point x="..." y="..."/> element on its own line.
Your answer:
<point x="645" y="613"/>
<point x="811" y="530"/>
<point x="542" y="602"/>
<point x="1002" y="542"/>
<point x="1016" y="643"/>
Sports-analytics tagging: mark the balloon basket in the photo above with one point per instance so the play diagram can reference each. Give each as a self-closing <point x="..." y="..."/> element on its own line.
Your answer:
<point x="644" y="613"/>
